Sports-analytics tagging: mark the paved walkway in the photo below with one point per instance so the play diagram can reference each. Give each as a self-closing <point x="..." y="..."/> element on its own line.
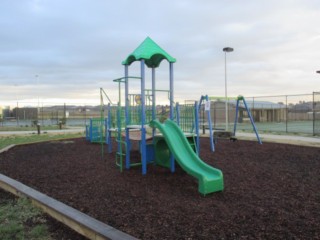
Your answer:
<point x="73" y="130"/>
<point x="288" y="139"/>
<point x="291" y="139"/>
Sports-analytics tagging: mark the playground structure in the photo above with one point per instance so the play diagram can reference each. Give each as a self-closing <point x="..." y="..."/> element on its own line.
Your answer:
<point x="165" y="134"/>
<point x="161" y="139"/>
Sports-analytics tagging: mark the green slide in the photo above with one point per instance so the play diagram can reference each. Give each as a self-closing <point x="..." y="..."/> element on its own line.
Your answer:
<point x="210" y="179"/>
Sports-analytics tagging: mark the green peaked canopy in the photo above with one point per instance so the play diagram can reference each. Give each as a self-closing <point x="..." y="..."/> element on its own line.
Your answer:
<point x="150" y="52"/>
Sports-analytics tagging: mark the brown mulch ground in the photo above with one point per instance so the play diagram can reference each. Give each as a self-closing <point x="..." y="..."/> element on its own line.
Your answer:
<point x="271" y="190"/>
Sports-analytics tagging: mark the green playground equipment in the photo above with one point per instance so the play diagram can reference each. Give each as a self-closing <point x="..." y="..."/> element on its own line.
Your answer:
<point x="187" y="120"/>
<point x="209" y="179"/>
<point x="166" y="143"/>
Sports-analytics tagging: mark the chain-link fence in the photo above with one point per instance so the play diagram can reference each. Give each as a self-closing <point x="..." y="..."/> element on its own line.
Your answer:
<point x="316" y="113"/>
<point x="281" y="114"/>
<point x="29" y="114"/>
<point x="285" y="113"/>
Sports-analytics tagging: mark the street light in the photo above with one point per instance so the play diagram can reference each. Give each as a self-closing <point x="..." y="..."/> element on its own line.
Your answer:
<point x="226" y="49"/>
<point x="318" y="71"/>
<point x="38" y="111"/>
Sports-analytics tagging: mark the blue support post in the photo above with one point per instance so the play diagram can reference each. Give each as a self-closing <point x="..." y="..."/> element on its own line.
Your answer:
<point x="143" y="120"/>
<point x="126" y="101"/>
<point x="109" y="129"/>
<point x="171" y="91"/>
<point x="210" y="126"/>
<point x="119" y="149"/>
<point x="153" y="98"/>
<point x="172" y="164"/>
<point x="91" y="130"/>
<point x="197" y="126"/>
<point x="106" y="130"/>
<point x="236" y="119"/>
<point x="252" y="122"/>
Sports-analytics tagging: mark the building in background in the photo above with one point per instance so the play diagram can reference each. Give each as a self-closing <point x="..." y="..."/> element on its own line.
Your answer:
<point x="25" y="113"/>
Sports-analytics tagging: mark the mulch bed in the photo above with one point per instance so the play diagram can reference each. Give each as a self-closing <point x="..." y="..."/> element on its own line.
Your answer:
<point x="271" y="190"/>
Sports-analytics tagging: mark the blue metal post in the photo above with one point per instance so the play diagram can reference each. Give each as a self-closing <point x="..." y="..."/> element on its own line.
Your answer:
<point x="119" y="127"/>
<point x="143" y="120"/>
<point x="197" y="126"/>
<point x="91" y="130"/>
<point x="106" y="126"/>
<point x="109" y="129"/>
<point x="236" y="118"/>
<point x="252" y="122"/>
<point x="126" y="101"/>
<point x="210" y="126"/>
<point x="171" y="91"/>
<point x="200" y="102"/>
<point x="172" y="164"/>
<point x="153" y="98"/>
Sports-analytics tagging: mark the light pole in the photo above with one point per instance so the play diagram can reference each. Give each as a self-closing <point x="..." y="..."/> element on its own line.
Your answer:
<point x="17" y="109"/>
<point x="226" y="49"/>
<point x="37" y="79"/>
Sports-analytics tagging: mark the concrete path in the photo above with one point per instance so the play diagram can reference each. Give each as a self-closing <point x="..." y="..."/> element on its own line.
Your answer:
<point x="62" y="131"/>
<point x="287" y="139"/>
<point x="290" y="139"/>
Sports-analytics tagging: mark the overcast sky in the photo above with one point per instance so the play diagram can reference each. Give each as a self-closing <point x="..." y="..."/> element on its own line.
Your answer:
<point x="58" y="50"/>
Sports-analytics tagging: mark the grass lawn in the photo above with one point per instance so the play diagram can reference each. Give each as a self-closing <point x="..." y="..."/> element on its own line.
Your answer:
<point x="22" y="139"/>
<point x="18" y="218"/>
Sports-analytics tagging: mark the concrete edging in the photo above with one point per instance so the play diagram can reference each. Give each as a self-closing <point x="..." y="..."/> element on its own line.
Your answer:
<point x="7" y="148"/>
<point x="78" y="221"/>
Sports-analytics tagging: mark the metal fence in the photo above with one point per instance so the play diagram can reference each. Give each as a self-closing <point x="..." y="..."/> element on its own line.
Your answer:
<point x="280" y="114"/>
<point x="284" y="113"/>
<point x="28" y="114"/>
<point x="316" y="113"/>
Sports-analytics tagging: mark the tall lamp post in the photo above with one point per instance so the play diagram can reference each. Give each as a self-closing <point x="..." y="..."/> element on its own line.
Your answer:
<point x="226" y="50"/>
<point x="38" y="111"/>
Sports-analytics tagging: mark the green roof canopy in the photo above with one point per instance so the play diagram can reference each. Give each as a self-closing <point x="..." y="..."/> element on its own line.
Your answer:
<point x="150" y="52"/>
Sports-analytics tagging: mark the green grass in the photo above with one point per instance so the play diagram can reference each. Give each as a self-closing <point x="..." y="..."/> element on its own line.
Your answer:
<point x="22" y="139"/>
<point x="20" y="220"/>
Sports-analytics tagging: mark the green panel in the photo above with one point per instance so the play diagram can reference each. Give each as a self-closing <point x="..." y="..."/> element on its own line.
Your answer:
<point x="210" y="179"/>
<point x="150" y="52"/>
<point x="162" y="152"/>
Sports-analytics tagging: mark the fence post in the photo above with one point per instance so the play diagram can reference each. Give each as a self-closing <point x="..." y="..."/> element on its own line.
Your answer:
<point x="38" y="128"/>
<point x="253" y="111"/>
<point x="314" y="114"/>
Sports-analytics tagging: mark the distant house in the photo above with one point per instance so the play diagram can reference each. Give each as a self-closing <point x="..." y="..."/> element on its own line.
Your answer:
<point x="24" y="113"/>
<point x="262" y="111"/>
<point x="6" y="112"/>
